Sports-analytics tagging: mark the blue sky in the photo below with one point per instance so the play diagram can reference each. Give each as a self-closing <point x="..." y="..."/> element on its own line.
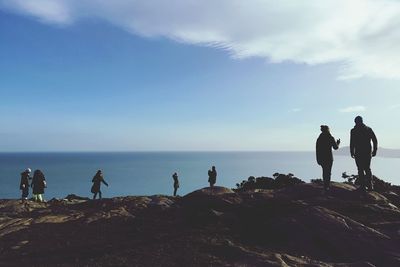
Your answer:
<point x="103" y="82"/>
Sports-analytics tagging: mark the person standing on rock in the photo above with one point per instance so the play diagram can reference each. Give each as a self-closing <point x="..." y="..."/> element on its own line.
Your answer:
<point x="97" y="180"/>
<point x="325" y="143"/>
<point x="212" y="176"/>
<point x="176" y="182"/>
<point x="38" y="185"/>
<point x="24" y="184"/>
<point x="362" y="151"/>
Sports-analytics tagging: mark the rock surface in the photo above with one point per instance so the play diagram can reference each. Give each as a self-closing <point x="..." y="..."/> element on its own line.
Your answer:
<point x="294" y="226"/>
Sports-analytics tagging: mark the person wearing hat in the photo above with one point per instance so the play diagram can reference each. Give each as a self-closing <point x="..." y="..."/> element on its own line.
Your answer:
<point x="325" y="143"/>
<point x="362" y="151"/>
<point x="24" y="184"/>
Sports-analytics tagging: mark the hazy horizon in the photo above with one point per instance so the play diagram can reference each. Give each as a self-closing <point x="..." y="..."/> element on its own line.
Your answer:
<point x="195" y="75"/>
<point x="161" y="151"/>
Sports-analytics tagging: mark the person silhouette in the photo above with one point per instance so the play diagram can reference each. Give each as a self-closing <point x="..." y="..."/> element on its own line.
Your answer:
<point x="176" y="182"/>
<point x="24" y="184"/>
<point x="38" y="185"/>
<point x="97" y="180"/>
<point x="325" y="143"/>
<point x="212" y="176"/>
<point x="361" y="150"/>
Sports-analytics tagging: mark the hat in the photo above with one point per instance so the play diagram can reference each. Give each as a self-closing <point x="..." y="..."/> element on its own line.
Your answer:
<point x="28" y="170"/>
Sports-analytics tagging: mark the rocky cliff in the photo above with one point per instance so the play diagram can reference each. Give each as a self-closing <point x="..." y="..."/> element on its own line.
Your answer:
<point x="293" y="226"/>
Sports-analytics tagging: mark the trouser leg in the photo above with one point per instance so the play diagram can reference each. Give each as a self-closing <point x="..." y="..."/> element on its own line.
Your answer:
<point x="175" y="191"/>
<point x="25" y="194"/>
<point x="326" y="174"/>
<point x="360" y="169"/>
<point x="40" y="197"/>
<point x="368" y="173"/>
<point x="95" y="195"/>
<point x="100" y="195"/>
<point x="364" y="170"/>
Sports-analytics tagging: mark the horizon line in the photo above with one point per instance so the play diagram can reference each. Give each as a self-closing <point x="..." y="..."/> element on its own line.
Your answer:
<point x="166" y="151"/>
<point x="148" y="151"/>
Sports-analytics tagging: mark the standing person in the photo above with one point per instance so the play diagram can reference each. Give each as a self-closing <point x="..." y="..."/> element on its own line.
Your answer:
<point x="325" y="143"/>
<point x="38" y="185"/>
<point x="24" y="184"/>
<point x="176" y="182"/>
<point x="362" y="151"/>
<point x="97" y="180"/>
<point x="212" y="176"/>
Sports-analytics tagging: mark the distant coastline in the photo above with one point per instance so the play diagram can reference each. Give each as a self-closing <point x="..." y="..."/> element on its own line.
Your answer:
<point x="382" y="152"/>
<point x="342" y="151"/>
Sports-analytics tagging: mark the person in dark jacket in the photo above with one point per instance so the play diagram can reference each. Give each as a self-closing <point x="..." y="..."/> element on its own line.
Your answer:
<point x="38" y="185"/>
<point x="97" y="180"/>
<point x="212" y="176"/>
<point x="362" y="151"/>
<point x="325" y="143"/>
<point x="24" y="184"/>
<point x="176" y="182"/>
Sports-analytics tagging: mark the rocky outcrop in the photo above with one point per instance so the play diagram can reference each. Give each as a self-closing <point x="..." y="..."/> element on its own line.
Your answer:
<point x="279" y="181"/>
<point x="291" y="226"/>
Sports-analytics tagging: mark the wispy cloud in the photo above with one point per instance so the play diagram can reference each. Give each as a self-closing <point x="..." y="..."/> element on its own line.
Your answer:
<point x="362" y="35"/>
<point x="397" y="106"/>
<point x="47" y="11"/>
<point x="353" y="109"/>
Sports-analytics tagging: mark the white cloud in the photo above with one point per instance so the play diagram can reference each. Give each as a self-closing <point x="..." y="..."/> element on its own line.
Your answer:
<point x="392" y="107"/>
<point x="353" y="109"/>
<point x="361" y="35"/>
<point x="46" y="10"/>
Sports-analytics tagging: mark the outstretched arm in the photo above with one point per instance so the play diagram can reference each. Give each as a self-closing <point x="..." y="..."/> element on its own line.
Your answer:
<point x="335" y="144"/>
<point x="104" y="182"/>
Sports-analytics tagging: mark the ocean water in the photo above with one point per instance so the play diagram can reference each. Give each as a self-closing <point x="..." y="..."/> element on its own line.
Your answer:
<point x="149" y="173"/>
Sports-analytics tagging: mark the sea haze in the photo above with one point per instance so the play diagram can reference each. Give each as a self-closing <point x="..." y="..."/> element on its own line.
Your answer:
<point x="149" y="173"/>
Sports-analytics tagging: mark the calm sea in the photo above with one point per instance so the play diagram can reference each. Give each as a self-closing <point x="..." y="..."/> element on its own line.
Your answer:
<point x="149" y="173"/>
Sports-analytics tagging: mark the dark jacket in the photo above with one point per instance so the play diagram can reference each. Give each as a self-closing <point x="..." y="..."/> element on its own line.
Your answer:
<point x="38" y="182"/>
<point x="176" y="181"/>
<point x="97" y="180"/>
<point x="212" y="176"/>
<point x="325" y="143"/>
<point x="360" y="141"/>
<point x="24" y="184"/>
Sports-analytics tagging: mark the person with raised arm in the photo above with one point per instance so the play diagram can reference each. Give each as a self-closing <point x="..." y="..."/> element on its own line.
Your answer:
<point x="325" y="143"/>
<point x="97" y="180"/>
